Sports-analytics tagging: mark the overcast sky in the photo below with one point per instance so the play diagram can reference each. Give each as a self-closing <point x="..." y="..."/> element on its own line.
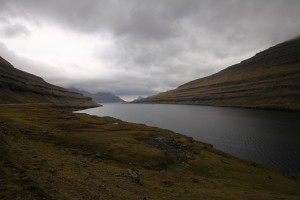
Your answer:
<point x="139" y="47"/>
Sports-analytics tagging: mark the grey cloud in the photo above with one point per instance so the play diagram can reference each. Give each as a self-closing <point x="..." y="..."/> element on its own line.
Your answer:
<point x="13" y="30"/>
<point x="137" y="19"/>
<point x="161" y="44"/>
<point x="123" y="83"/>
<point x="159" y="19"/>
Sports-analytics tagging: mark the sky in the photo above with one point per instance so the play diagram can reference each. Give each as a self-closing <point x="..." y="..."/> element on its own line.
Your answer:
<point x="139" y="47"/>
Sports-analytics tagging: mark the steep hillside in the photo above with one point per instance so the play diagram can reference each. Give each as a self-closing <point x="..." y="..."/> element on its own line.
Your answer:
<point x="270" y="79"/>
<point x="17" y="87"/>
<point x="100" y="97"/>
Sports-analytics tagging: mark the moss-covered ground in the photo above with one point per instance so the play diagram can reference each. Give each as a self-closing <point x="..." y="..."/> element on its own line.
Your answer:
<point x="50" y="153"/>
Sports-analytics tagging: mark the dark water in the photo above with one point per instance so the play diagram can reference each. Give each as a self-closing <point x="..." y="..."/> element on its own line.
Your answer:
<point x="268" y="137"/>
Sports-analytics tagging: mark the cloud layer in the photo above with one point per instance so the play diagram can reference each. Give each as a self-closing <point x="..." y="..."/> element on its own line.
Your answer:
<point x="139" y="47"/>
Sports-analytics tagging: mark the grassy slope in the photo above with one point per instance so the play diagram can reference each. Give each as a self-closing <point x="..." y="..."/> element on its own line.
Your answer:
<point x="17" y="86"/>
<point x="47" y="153"/>
<point x="270" y="79"/>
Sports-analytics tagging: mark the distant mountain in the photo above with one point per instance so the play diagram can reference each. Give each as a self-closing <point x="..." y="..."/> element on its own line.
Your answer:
<point x="270" y="79"/>
<point x="17" y="87"/>
<point x="139" y="98"/>
<point x="100" y="97"/>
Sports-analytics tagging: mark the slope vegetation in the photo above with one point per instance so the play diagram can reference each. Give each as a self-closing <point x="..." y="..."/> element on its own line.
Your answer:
<point x="17" y="86"/>
<point x="53" y="155"/>
<point x="270" y="79"/>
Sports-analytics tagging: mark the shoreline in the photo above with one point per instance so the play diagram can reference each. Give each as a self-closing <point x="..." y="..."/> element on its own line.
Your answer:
<point x="54" y="152"/>
<point x="260" y="150"/>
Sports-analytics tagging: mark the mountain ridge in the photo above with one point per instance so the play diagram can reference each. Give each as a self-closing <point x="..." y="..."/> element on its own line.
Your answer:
<point x="268" y="80"/>
<point x="17" y="86"/>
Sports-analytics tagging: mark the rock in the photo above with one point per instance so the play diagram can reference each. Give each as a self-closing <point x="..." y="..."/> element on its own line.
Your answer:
<point x="147" y="166"/>
<point x="31" y="188"/>
<point x="254" y="164"/>
<point x="53" y="171"/>
<point x="167" y="183"/>
<point x="195" y="180"/>
<point x="14" y="170"/>
<point x="98" y="155"/>
<point x="223" y="161"/>
<point x="176" y="150"/>
<point x="25" y="179"/>
<point x="135" y="176"/>
<point x="84" y="163"/>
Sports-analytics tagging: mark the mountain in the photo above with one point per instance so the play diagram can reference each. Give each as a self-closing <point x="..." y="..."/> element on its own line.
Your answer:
<point x="268" y="80"/>
<point x="17" y="87"/>
<point x="139" y="98"/>
<point x="100" y="97"/>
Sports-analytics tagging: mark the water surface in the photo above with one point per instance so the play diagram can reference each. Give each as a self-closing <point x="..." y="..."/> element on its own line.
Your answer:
<point x="268" y="137"/>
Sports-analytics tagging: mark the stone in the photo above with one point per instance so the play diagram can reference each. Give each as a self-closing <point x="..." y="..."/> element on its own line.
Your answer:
<point x="167" y="183"/>
<point x="98" y="155"/>
<point x="147" y="166"/>
<point x="25" y="179"/>
<point x="135" y="176"/>
<point x="195" y="180"/>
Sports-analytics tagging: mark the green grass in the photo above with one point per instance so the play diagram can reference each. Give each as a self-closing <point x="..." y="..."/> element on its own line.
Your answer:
<point x="49" y="153"/>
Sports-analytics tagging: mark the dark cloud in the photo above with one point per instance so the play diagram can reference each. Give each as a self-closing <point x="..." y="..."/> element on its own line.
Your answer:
<point x="13" y="30"/>
<point x="137" y="19"/>
<point x="161" y="19"/>
<point x="160" y="44"/>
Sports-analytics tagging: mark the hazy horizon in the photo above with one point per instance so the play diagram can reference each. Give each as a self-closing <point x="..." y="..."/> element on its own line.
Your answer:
<point x="139" y="48"/>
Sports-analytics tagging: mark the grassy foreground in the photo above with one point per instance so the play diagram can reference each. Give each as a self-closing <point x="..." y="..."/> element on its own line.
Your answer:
<point x="50" y="153"/>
